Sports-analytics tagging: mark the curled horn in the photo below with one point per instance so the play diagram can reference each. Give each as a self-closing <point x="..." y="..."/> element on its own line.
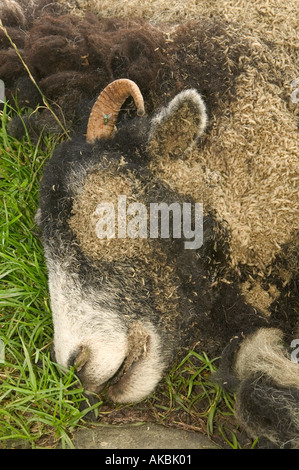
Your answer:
<point x="103" y="116"/>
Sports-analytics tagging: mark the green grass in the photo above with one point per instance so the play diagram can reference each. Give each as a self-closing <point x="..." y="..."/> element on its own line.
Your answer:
<point x="207" y="408"/>
<point x="40" y="402"/>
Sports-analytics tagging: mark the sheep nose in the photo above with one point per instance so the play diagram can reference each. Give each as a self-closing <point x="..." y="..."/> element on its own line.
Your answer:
<point x="79" y="358"/>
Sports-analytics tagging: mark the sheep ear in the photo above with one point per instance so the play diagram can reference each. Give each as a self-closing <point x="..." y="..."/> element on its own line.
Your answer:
<point x="178" y="126"/>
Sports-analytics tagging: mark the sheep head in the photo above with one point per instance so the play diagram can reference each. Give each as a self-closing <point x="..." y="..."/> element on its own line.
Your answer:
<point x="115" y="312"/>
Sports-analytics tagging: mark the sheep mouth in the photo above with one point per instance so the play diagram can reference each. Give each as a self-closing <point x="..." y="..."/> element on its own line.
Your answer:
<point x="138" y="340"/>
<point x="138" y="346"/>
<point x="121" y="372"/>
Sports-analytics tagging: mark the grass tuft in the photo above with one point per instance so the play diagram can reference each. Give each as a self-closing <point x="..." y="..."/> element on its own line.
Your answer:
<point x="196" y="403"/>
<point x="39" y="401"/>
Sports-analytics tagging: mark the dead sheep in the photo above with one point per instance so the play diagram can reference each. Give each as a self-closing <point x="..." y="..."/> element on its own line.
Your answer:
<point x="124" y="309"/>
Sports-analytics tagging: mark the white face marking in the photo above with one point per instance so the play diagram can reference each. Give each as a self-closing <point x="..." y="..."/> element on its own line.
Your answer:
<point x="77" y="324"/>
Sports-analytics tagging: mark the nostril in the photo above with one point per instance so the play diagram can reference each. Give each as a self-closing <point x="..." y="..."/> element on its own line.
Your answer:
<point x="82" y="358"/>
<point x="79" y="358"/>
<point x="71" y="359"/>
